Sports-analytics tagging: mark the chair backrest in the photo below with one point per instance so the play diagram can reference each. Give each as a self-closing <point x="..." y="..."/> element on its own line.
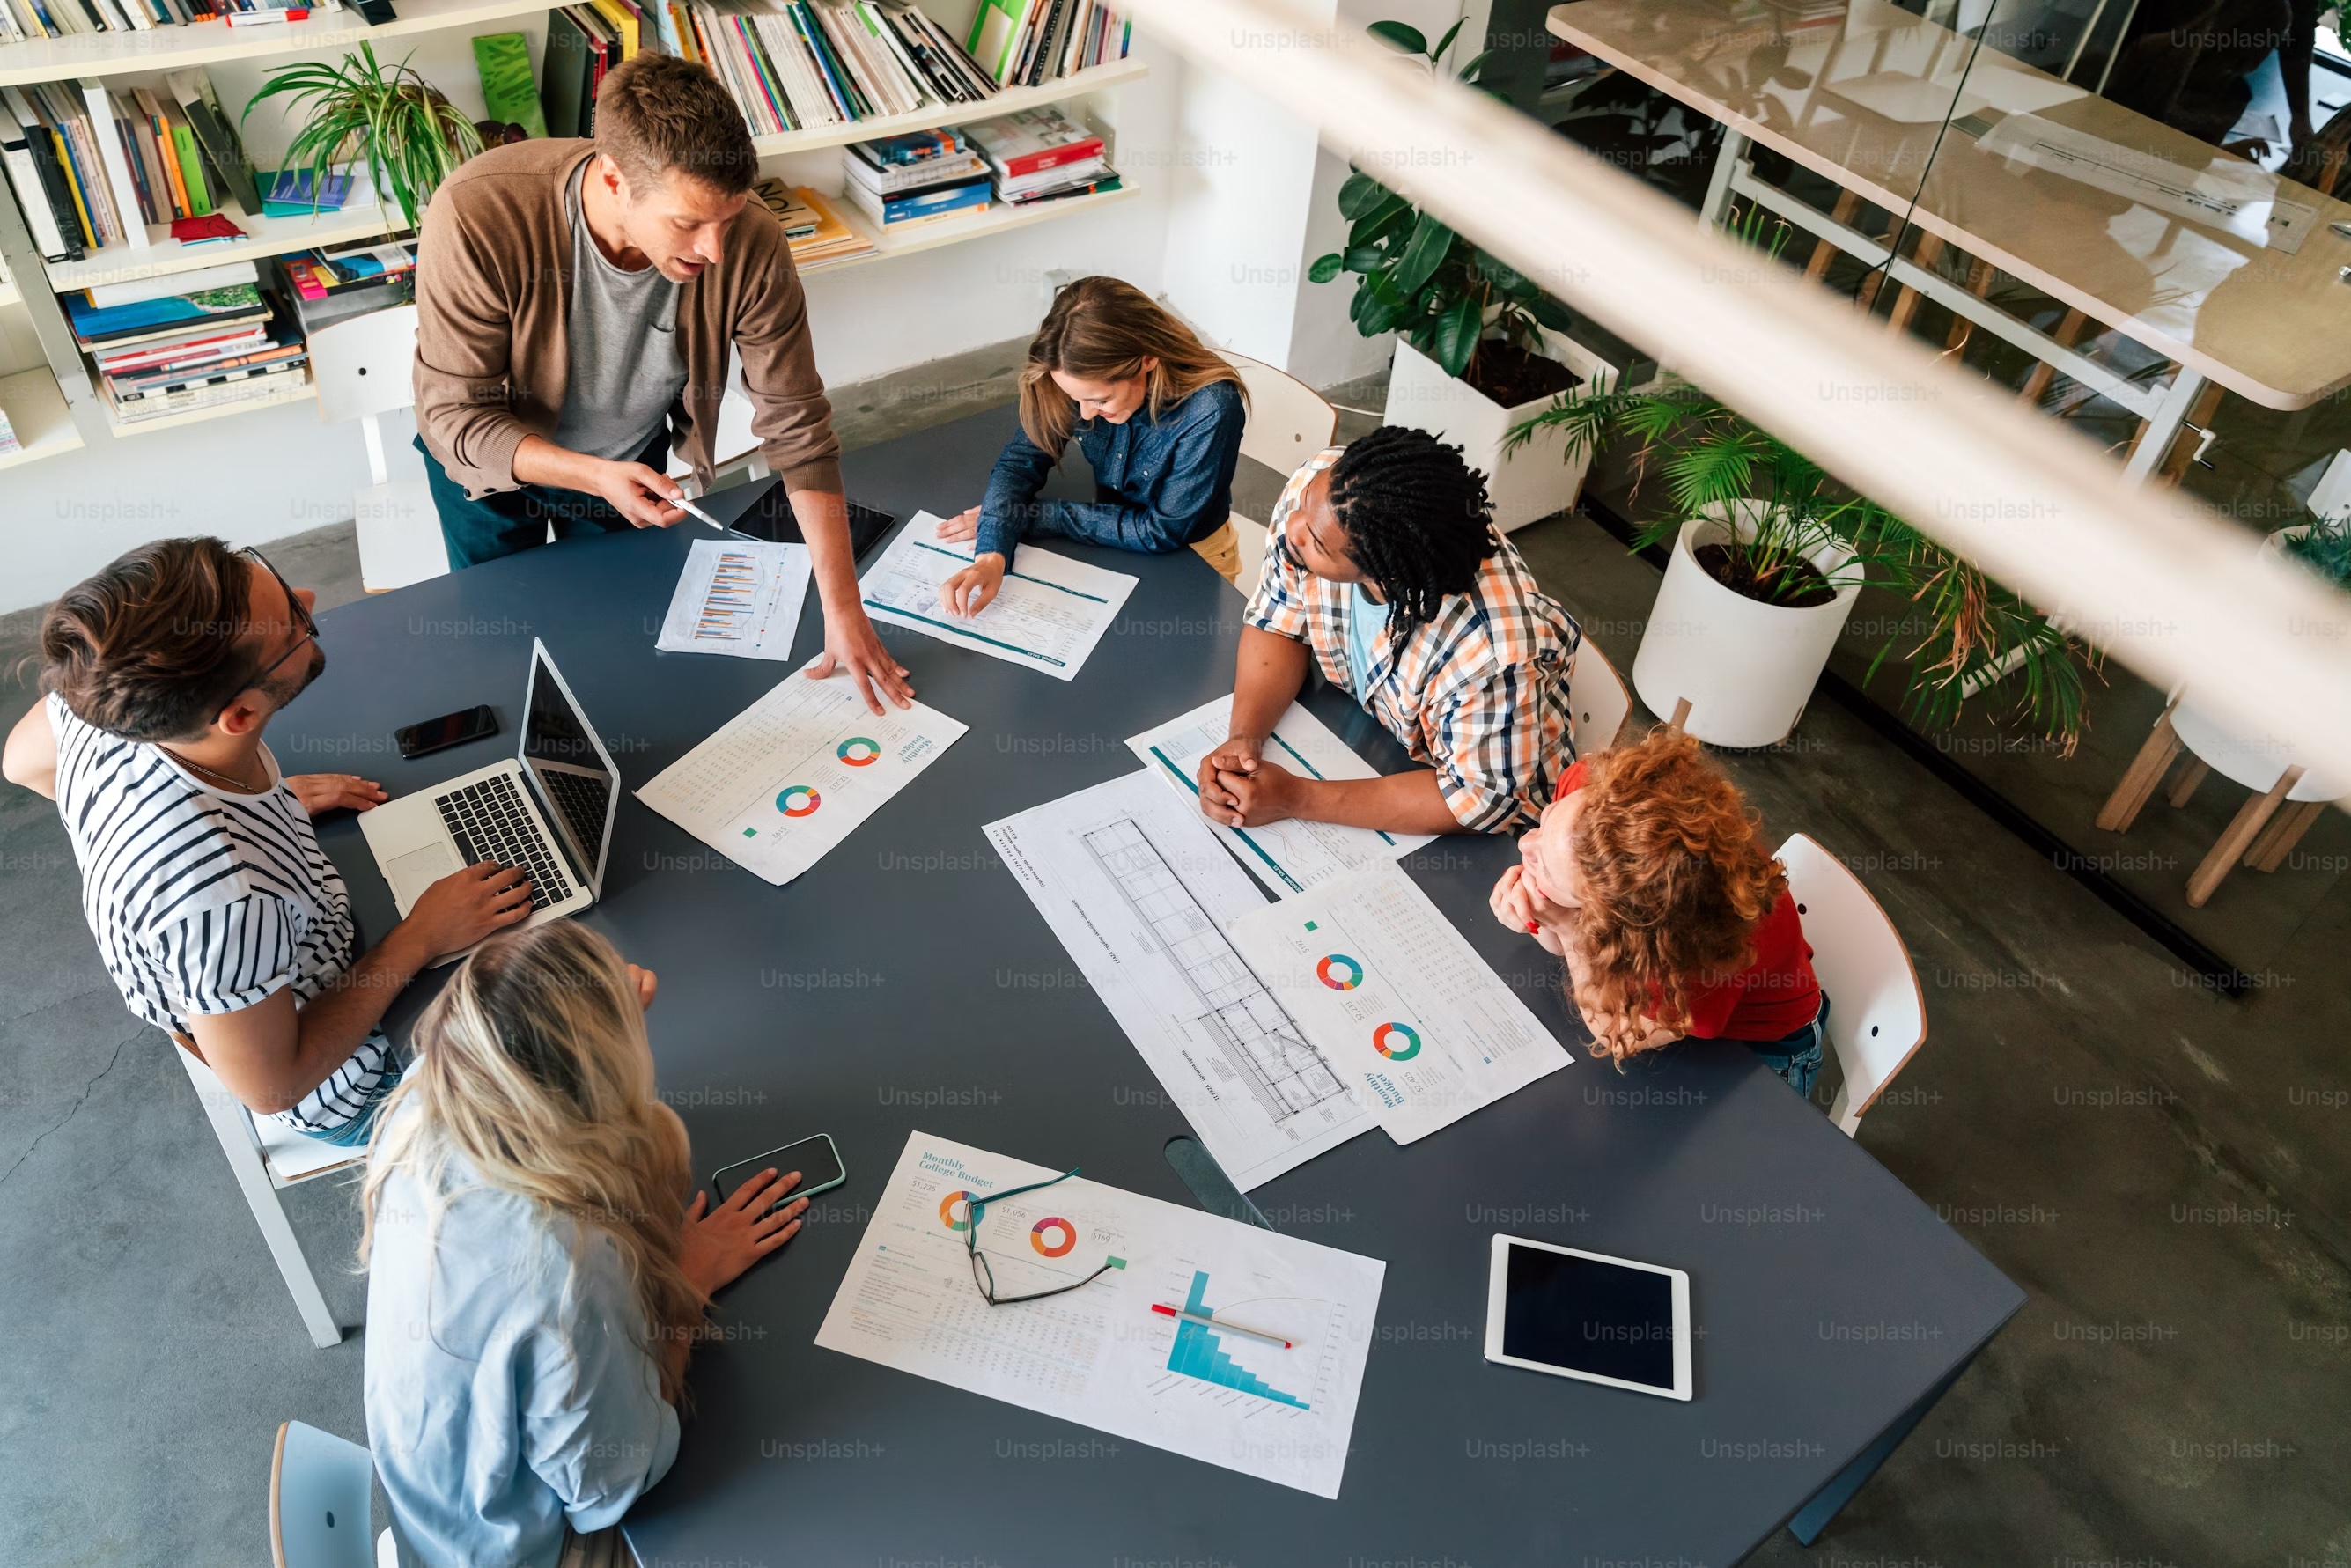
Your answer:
<point x="1877" y="1014"/>
<point x="365" y="365"/>
<point x="319" y="1490"/>
<point x="1288" y="420"/>
<point x="1597" y="703"/>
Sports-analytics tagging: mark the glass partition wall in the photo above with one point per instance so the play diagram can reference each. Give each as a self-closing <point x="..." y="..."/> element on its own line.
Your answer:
<point x="2120" y="213"/>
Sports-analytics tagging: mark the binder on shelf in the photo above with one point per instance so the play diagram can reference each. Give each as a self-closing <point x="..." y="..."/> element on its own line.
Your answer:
<point x="216" y="135"/>
<point x="117" y="167"/>
<point x="40" y="189"/>
<point x="503" y="60"/>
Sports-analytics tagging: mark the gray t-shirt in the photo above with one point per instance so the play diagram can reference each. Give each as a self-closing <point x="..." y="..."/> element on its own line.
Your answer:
<point x="626" y="365"/>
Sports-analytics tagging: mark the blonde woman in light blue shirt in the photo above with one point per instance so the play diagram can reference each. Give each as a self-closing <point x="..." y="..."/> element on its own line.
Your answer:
<point x="536" y="1276"/>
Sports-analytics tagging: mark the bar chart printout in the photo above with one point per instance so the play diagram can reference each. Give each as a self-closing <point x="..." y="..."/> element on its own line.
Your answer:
<point x="1097" y="1355"/>
<point x="738" y="597"/>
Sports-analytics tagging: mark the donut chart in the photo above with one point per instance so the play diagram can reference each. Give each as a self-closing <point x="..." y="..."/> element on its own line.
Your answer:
<point x="946" y="1210"/>
<point x="1339" y="972"/>
<point x="1396" y="1041"/>
<point x="859" y="751"/>
<point x="798" y="801"/>
<point x="1069" y="1236"/>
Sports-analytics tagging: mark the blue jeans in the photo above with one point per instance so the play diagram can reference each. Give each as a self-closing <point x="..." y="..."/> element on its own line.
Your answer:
<point x="1797" y="1058"/>
<point x="355" y="1133"/>
<point x="506" y="521"/>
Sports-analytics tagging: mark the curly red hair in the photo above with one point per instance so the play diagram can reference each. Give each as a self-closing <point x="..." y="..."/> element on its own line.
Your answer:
<point x="1676" y="881"/>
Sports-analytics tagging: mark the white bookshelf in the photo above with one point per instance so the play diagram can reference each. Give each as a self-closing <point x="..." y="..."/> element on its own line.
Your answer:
<point x="302" y="390"/>
<point x="956" y="230"/>
<point x="1094" y="78"/>
<point x="264" y="236"/>
<point x="209" y="43"/>
<point x="36" y="409"/>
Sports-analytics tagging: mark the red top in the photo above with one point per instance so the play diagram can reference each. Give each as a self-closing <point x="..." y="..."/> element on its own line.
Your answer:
<point x="1775" y="997"/>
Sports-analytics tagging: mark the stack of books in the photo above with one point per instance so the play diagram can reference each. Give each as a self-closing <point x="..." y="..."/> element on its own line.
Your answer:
<point x="96" y="167"/>
<point x="583" y="43"/>
<point x="218" y="340"/>
<point x="1041" y="155"/>
<point x="337" y="284"/>
<point x="799" y="64"/>
<point x="812" y="227"/>
<point x="1027" y="43"/>
<point x="65" y="18"/>
<point x="900" y="181"/>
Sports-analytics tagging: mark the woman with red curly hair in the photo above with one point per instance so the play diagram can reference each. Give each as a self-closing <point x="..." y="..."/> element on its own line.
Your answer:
<point x="1647" y="876"/>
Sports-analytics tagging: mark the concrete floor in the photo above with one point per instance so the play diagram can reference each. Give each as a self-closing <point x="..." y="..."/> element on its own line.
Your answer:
<point x="2166" y="1172"/>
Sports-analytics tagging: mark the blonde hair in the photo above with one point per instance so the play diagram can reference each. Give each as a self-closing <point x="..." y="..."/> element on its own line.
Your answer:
<point x="532" y="1066"/>
<point x="1103" y="328"/>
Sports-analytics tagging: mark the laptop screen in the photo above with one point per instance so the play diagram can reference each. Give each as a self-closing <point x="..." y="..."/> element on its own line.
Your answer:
<point x="576" y="782"/>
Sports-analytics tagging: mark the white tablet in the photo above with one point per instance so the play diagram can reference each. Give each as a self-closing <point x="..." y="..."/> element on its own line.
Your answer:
<point x="1587" y="1315"/>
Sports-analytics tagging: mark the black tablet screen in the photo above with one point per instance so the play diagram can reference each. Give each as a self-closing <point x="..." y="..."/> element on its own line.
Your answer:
<point x="1583" y="1315"/>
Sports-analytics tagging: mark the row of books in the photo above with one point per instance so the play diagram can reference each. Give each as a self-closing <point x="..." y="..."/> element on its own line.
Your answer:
<point x="811" y="225"/>
<point x="1025" y="43"/>
<point x="1018" y="159"/>
<point x="22" y="19"/>
<point x="94" y="167"/>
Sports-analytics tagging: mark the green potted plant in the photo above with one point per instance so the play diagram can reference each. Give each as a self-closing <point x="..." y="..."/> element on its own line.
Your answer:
<point x="1768" y="554"/>
<point x="1479" y="346"/>
<point x="412" y="136"/>
<point x="2322" y="544"/>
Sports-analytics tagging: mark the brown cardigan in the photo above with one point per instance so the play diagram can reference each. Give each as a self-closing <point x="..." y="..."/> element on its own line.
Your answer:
<point x="493" y="299"/>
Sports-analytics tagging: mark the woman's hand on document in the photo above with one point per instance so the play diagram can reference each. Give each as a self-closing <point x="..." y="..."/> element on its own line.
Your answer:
<point x="973" y="589"/>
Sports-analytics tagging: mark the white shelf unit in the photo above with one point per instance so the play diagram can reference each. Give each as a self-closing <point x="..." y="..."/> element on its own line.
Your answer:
<point x="37" y="411"/>
<point x="265" y="237"/>
<point x="1094" y="78"/>
<point x="303" y="391"/>
<point x="955" y="230"/>
<point x="208" y="43"/>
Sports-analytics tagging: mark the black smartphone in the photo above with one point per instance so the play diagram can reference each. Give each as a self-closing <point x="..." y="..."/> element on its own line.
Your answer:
<point x="815" y="1158"/>
<point x="450" y="729"/>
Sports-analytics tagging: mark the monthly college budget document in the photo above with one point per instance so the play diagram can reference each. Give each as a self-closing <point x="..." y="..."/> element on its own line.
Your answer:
<point x="1212" y="1380"/>
<point x="1048" y="615"/>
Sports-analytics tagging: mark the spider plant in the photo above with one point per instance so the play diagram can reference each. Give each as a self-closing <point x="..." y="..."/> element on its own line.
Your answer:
<point x="2324" y="547"/>
<point x="1972" y="635"/>
<point x="413" y="137"/>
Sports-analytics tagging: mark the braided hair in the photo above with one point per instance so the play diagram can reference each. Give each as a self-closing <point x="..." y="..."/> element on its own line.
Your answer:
<point x="1417" y="519"/>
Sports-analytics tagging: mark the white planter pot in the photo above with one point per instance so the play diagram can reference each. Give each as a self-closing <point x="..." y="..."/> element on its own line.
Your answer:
<point x="1746" y="667"/>
<point x="1533" y="482"/>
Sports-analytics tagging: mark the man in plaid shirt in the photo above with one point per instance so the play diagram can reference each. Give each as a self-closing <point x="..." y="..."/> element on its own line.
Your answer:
<point x="1382" y="562"/>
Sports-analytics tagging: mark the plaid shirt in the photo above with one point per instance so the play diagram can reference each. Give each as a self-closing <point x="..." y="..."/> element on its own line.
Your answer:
<point x="1479" y="694"/>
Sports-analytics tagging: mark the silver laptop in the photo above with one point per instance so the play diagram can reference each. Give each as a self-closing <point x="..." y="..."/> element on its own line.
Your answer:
<point x="548" y="810"/>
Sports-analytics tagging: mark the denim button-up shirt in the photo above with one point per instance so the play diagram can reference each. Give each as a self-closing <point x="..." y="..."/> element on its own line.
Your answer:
<point x="1159" y="484"/>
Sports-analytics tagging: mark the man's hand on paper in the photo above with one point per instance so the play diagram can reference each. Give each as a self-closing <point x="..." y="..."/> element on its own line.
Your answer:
<point x="1234" y="754"/>
<point x="1261" y="793"/>
<point x="973" y="589"/>
<point x="851" y="643"/>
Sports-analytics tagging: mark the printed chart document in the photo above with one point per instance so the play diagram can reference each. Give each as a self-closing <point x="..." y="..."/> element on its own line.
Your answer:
<point x="1288" y="857"/>
<point x="793" y="774"/>
<point x="1048" y="616"/>
<point x="1139" y="891"/>
<point x="741" y="597"/>
<point x="1396" y="999"/>
<point x="1099" y="1355"/>
<point x="2228" y="192"/>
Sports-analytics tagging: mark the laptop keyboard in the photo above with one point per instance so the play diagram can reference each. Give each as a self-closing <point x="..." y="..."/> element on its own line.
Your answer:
<point x="489" y="823"/>
<point x="579" y="799"/>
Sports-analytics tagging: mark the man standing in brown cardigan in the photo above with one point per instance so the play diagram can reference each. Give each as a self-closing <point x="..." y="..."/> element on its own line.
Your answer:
<point x="577" y="301"/>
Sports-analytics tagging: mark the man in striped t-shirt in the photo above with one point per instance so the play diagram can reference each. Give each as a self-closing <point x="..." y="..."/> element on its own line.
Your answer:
<point x="221" y="922"/>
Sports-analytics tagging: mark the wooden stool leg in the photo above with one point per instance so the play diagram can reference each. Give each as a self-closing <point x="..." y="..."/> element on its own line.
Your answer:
<point x="2184" y="787"/>
<point x="2247" y="822"/>
<point x="2285" y="831"/>
<point x="2038" y="382"/>
<point x="1847" y="204"/>
<point x="1978" y="284"/>
<point x="1905" y="301"/>
<point x="2138" y="780"/>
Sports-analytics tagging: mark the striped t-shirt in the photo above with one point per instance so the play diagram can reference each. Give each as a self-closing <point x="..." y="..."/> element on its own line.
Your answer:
<point x="205" y="901"/>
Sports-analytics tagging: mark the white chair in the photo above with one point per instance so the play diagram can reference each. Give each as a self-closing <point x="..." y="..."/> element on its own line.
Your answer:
<point x="363" y="367"/>
<point x="1597" y="703"/>
<point x="320" y="1491"/>
<point x="1289" y="422"/>
<point x="265" y="1157"/>
<point x="1877" y="1018"/>
<point x="732" y="444"/>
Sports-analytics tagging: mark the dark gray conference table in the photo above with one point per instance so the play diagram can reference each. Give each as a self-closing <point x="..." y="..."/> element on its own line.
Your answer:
<point x="908" y="982"/>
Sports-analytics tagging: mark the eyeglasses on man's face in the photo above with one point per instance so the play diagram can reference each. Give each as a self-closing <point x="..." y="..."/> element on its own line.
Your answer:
<point x="304" y="624"/>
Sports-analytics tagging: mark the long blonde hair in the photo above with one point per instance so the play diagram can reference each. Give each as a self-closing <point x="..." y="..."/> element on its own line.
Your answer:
<point x="1103" y="328"/>
<point x="532" y="1066"/>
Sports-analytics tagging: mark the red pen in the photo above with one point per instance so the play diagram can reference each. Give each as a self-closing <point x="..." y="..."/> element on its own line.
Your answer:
<point x="1220" y="1324"/>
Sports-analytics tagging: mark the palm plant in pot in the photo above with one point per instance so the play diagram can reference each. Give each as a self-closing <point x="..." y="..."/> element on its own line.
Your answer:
<point x="1769" y="553"/>
<point x="412" y="137"/>
<point x="1480" y="345"/>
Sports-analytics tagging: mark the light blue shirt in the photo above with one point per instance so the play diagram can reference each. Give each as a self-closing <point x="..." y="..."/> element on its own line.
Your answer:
<point x="509" y="1387"/>
<point x="1367" y="623"/>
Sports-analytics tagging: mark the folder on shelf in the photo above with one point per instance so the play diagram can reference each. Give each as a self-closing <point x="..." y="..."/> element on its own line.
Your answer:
<point x="503" y="60"/>
<point x="216" y="136"/>
<point x="115" y="165"/>
<point x="41" y="189"/>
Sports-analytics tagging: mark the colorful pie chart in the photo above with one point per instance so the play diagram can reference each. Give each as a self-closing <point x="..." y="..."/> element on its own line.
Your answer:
<point x="859" y="752"/>
<point x="1396" y="1041"/>
<point x="1340" y="972"/>
<point x="798" y="801"/>
<point x="946" y="1211"/>
<point x="1050" y="1249"/>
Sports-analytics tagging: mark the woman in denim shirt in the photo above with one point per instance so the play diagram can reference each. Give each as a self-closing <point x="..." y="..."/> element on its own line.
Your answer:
<point x="1158" y="416"/>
